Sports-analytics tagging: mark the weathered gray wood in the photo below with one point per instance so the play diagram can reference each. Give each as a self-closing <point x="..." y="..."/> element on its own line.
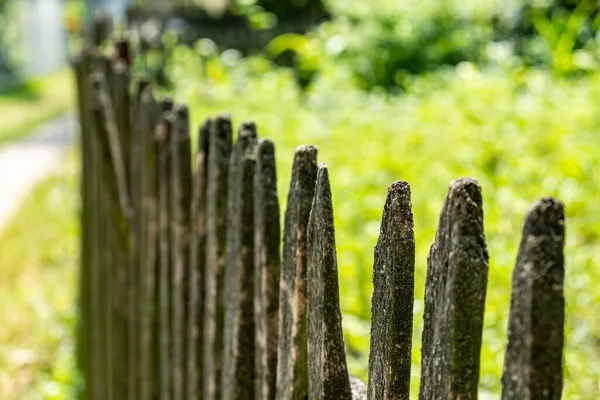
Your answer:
<point x="393" y="296"/>
<point x="292" y="370"/>
<point x="164" y="269"/>
<point x="105" y="286"/>
<point x="129" y="333"/>
<point x="267" y="266"/>
<point x="533" y="360"/>
<point x="454" y="297"/>
<point x="237" y="373"/>
<point x="181" y="195"/>
<point x="327" y="370"/>
<point x="147" y="118"/>
<point x="216" y="237"/>
<point x="134" y="172"/>
<point x="117" y="235"/>
<point x="98" y="338"/>
<point x="124" y="269"/>
<point x="195" y="315"/>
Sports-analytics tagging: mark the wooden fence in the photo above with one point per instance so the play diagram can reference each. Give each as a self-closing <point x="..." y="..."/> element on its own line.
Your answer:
<point x="186" y="293"/>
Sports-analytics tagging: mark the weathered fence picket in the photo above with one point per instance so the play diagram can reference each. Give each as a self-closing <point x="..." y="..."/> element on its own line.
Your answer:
<point x="147" y="242"/>
<point x="181" y="200"/>
<point x="292" y="368"/>
<point x="216" y="244"/>
<point x="187" y="291"/>
<point x="267" y="267"/>
<point x="393" y="296"/>
<point x="237" y="373"/>
<point x="454" y="297"/>
<point x="533" y="360"/>
<point x="86" y="345"/>
<point x="327" y="370"/>
<point x="164" y="268"/>
<point x="196" y="283"/>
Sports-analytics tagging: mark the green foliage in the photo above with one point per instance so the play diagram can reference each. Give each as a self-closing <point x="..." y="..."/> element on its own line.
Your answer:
<point x="522" y="133"/>
<point x="386" y="43"/>
<point x="38" y="265"/>
<point x="9" y="33"/>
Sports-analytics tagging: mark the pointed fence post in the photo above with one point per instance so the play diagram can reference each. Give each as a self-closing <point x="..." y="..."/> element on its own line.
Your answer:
<point x="147" y="120"/>
<point x="267" y="265"/>
<point x="118" y="237"/>
<point x="181" y="196"/>
<point x="164" y="133"/>
<point x="121" y="101"/>
<point x="237" y="380"/>
<point x="292" y="369"/>
<point x="85" y="349"/>
<point x="454" y="297"/>
<point x="393" y="297"/>
<point x="533" y="360"/>
<point x="327" y="370"/>
<point x="133" y="166"/>
<point x="196" y="284"/>
<point x="216" y="236"/>
<point x="97" y="389"/>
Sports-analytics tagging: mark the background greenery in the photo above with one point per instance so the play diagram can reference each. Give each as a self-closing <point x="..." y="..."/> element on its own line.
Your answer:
<point x="429" y="91"/>
<point x="38" y="265"/>
<point x="24" y="108"/>
<point x="428" y="94"/>
<point x="522" y="134"/>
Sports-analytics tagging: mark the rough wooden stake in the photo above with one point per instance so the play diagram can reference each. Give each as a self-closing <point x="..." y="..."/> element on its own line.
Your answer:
<point x="195" y="321"/>
<point x="533" y="360"/>
<point x="164" y="272"/>
<point x="97" y="390"/>
<point x="237" y="374"/>
<point x="454" y="297"/>
<point x="292" y="370"/>
<point x="216" y="237"/>
<point x="181" y="195"/>
<point x="327" y="370"/>
<point x="148" y="114"/>
<point x="116" y="237"/>
<point x="267" y="266"/>
<point x="121" y="102"/>
<point x="393" y="296"/>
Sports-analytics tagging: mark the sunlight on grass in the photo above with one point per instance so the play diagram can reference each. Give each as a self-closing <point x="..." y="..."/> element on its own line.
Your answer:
<point x="38" y="269"/>
<point x="24" y="108"/>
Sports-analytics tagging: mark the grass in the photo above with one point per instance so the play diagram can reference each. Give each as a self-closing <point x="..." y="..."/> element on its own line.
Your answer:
<point x="38" y="266"/>
<point x="24" y="108"/>
<point x="522" y="134"/>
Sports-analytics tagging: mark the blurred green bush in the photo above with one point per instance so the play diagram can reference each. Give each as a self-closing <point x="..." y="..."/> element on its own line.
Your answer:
<point x="385" y="43"/>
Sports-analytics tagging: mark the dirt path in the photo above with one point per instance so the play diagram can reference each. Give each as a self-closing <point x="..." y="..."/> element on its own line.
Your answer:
<point x="26" y="162"/>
